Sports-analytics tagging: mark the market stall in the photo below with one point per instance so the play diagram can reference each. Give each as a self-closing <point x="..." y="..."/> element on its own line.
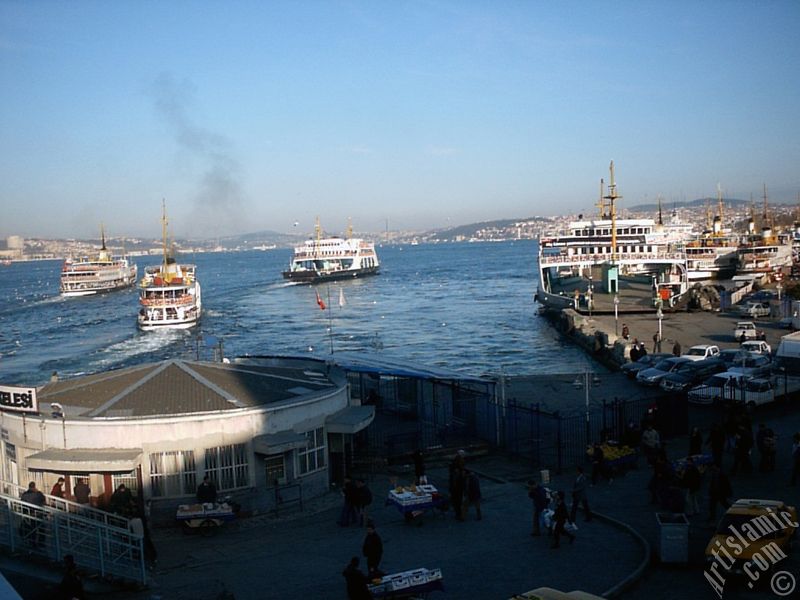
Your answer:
<point x="204" y="517"/>
<point x="412" y="501"/>
<point x="408" y="584"/>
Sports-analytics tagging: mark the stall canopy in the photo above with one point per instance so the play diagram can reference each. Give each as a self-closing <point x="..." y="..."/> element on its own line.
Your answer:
<point x="95" y="460"/>
<point x="350" y="420"/>
<point x="276" y="443"/>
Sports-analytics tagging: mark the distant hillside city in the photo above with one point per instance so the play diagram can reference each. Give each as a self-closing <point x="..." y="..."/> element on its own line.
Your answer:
<point x="697" y="212"/>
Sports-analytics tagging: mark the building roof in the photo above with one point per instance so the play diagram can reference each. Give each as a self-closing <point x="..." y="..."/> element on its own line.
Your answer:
<point x="177" y="387"/>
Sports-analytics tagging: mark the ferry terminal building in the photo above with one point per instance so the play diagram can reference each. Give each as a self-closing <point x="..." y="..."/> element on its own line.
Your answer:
<point x="252" y="425"/>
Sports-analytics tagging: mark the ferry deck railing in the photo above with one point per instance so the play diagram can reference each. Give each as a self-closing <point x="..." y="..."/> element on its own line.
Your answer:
<point x="54" y="530"/>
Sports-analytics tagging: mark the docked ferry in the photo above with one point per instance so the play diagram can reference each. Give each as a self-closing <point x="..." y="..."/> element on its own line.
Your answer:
<point x="713" y="253"/>
<point x="599" y="255"/>
<point x="764" y="252"/>
<point x="169" y="293"/>
<point x="325" y="259"/>
<point x="97" y="274"/>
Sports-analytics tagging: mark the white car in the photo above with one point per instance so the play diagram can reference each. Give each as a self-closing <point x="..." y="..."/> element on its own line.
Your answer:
<point x="757" y="347"/>
<point x="702" y="352"/>
<point x="746" y="330"/>
<point x="755" y="309"/>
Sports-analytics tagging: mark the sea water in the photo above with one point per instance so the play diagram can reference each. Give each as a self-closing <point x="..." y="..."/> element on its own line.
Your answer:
<point x="464" y="307"/>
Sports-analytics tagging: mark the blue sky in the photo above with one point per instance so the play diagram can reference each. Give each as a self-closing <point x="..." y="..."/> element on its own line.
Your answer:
<point x="253" y="115"/>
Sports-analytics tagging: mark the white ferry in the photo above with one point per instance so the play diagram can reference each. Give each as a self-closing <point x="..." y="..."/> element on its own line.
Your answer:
<point x="598" y="256"/>
<point x="169" y="293"/>
<point x="713" y="254"/>
<point x="324" y="259"/>
<point x="98" y="274"/>
<point x="765" y="252"/>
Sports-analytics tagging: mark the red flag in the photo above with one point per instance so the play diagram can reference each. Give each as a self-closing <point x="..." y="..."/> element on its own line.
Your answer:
<point x="320" y="302"/>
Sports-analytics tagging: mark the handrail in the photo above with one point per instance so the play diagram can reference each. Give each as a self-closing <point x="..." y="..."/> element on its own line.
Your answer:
<point x="62" y="504"/>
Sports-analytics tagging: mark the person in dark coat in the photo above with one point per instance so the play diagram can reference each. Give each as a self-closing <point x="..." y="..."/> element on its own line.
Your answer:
<point x="538" y="495"/>
<point x="691" y="479"/>
<point x="695" y="442"/>
<point x="356" y="581"/>
<point x="121" y="502"/>
<point x="206" y="491"/>
<point x="456" y="484"/>
<point x="560" y="518"/>
<point x="31" y="526"/>
<point x="373" y="550"/>
<point x="597" y="463"/>
<point x="719" y="489"/>
<point x="348" y="514"/>
<point x="82" y="492"/>
<point x="716" y="439"/>
<point x="419" y="465"/>
<point x="71" y="586"/>
<point x="362" y="499"/>
<point x="741" y="453"/>
<point x="635" y="353"/>
<point x="473" y="492"/>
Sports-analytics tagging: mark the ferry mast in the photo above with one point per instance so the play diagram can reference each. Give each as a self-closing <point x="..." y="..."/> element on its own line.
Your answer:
<point x="612" y="198"/>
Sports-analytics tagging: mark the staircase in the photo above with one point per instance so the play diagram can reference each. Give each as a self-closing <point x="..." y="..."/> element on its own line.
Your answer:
<point x="100" y="542"/>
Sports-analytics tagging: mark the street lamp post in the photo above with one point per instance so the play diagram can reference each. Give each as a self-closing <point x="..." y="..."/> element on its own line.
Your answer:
<point x="616" y="314"/>
<point x="660" y="316"/>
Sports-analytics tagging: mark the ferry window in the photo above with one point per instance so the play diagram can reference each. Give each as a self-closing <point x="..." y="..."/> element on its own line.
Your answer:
<point x="276" y="470"/>
<point x="228" y="466"/>
<point x="312" y="458"/>
<point x="172" y="473"/>
<point x="578" y="232"/>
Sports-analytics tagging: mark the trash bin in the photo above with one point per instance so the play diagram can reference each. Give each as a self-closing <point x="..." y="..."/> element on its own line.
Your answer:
<point x="673" y="543"/>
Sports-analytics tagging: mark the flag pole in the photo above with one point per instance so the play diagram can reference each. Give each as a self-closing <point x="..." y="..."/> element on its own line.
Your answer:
<point x="330" y="321"/>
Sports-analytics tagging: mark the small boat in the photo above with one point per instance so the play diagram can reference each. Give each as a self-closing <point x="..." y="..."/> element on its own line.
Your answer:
<point x="325" y="259"/>
<point x="169" y="293"/>
<point x="98" y="274"/>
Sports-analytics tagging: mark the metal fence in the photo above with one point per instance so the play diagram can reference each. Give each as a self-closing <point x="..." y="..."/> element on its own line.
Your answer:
<point x="53" y="533"/>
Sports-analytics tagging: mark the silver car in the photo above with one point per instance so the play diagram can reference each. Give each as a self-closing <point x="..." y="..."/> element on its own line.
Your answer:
<point x="654" y="375"/>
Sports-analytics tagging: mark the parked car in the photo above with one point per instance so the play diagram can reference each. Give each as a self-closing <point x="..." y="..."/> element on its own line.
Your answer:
<point x="716" y="388"/>
<point x="648" y="360"/>
<point x="654" y="374"/>
<point x="755" y="309"/>
<point x="757" y="347"/>
<point x="688" y="375"/>
<point x="746" y="330"/>
<point x="752" y="365"/>
<point x="729" y="355"/>
<point x="758" y="516"/>
<point x="702" y="352"/>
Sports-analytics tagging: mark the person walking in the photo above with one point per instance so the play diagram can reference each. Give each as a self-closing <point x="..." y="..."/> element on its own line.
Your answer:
<point x="538" y="495"/>
<point x="719" y="489"/>
<point x="597" y="462"/>
<point x="348" y="514"/>
<point x="651" y="442"/>
<point x="456" y="484"/>
<point x="691" y="479"/>
<point x="770" y="450"/>
<point x="716" y="439"/>
<point x="33" y="522"/>
<point x="58" y="488"/>
<point x="71" y="586"/>
<point x="121" y="502"/>
<point x="560" y="520"/>
<point x="363" y="498"/>
<point x="82" y="492"/>
<point x="419" y="466"/>
<point x="373" y="550"/>
<point x="676" y="348"/>
<point x="741" y="453"/>
<point x="356" y="581"/>
<point x="580" y="495"/>
<point x="473" y="493"/>
<point x="656" y="342"/>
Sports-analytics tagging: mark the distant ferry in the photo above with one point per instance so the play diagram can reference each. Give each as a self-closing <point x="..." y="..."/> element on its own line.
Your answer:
<point x="325" y="259"/>
<point x="97" y="274"/>
<point x="169" y="294"/>
<point x="603" y="252"/>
